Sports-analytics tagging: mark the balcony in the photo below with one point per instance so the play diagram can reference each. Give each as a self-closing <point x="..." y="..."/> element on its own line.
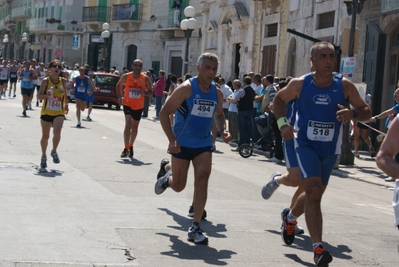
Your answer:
<point x="127" y="14"/>
<point x="95" y="16"/>
<point x="10" y="23"/>
<point x="44" y="25"/>
<point x="21" y="13"/>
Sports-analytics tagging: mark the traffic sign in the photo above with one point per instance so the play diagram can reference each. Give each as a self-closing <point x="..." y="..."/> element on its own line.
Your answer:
<point x="58" y="53"/>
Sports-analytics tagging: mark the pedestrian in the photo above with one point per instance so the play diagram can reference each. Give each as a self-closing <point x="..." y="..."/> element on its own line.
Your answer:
<point x="27" y="75"/>
<point x="41" y="73"/>
<point x="233" y="111"/>
<point x="82" y="90"/>
<point x="389" y="112"/>
<point x="137" y="85"/>
<point x="159" y="87"/>
<point x="226" y="90"/>
<point x="196" y="103"/>
<point x="53" y="91"/>
<point x="322" y="99"/>
<point x="146" y="99"/>
<point x="361" y="130"/>
<point x="4" y="75"/>
<point x="90" y="98"/>
<point x="13" y="77"/>
<point x="388" y="162"/>
<point x="244" y="99"/>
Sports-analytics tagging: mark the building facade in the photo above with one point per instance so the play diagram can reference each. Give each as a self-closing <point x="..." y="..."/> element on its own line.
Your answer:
<point x="263" y="36"/>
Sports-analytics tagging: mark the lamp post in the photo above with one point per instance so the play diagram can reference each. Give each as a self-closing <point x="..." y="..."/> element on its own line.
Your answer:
<point x="105" y="36"/>
<point x="188" y="25"/>
<point x="24" y="40"/>
<point x="5" y="41"/>
<point x="353" y="7"/>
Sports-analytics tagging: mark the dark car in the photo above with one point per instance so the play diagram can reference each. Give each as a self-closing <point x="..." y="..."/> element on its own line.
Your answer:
<point x="106" y="82"/>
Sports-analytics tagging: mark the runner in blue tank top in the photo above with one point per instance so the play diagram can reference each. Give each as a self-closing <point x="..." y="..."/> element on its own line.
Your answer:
<point x="82" y="90"/>
<point x="292" y="178"/>
<point x="196" y="103"/>
<point x="322" y="99"/>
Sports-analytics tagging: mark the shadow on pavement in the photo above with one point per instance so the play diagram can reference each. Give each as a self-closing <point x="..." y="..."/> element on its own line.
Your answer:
<point x="46" y="173"/>
<point x="303" y="242"/>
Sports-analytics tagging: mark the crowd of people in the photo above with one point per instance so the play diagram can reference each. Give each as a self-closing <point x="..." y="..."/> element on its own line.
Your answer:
<point x="307" y="114"/>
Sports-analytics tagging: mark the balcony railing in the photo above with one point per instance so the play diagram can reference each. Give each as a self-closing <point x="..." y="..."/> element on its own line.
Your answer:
<point x="21" y="9"/>
<point x="127" y="12"/>
<point x="95" y="13"/>
<point x="42" y="24"/>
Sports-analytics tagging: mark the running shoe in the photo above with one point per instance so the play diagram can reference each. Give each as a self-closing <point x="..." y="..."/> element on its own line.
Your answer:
<point x="162" y="183"/>
<point x="55" y="157"/>
<point x="195" y="235"/>
<point x="271" y="186"/>
<point x="372" y="152"/>
<point x="24" y="113"/>
<point x="15" y="96"/>
<point x="43" y="162"/>
<point x="124" y="153"/>
<point x="88" y="118"/>
<point x="274" y="159"/>
<point x="78" y="125"/>
<point x="131" y="152"/>
<point x="288" y="231"/>
<point x="356" y="153"/>
<point x="9" y="95"/>
<point x="162" y="170"/>
<point x="322" y="257"/>
<point x="298" y="230"/>
<point x="191" y="213"/>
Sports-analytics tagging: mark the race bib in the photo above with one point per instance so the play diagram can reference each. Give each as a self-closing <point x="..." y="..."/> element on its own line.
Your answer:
<point x="134" y="93"/>
<point x="25" y="79"/>
<point x="203" y="108"/>
<point x="54" y="103"/>
<point x="3" y="77"/>
<point x="320" y="131"/>
<point x="81" y="89"/>
<point x="13" y="75"/>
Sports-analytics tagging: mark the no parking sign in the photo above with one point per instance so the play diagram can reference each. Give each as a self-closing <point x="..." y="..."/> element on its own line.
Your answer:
<point x="58" y="53"/>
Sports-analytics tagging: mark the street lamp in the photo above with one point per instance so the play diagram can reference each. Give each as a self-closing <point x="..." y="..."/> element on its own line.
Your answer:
<point x="105" y="35"/>
<point x="188" y="25"/>
<point x="5" y="41"/>
<point x="352" y="7"/>
<point x="24" y="40"/>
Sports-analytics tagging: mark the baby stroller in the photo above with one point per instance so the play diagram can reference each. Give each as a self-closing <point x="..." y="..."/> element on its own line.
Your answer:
<point x="264" y="126"/>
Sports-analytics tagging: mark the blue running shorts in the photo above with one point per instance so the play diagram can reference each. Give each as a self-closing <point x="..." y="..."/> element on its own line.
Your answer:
<point x="313" y="165"/>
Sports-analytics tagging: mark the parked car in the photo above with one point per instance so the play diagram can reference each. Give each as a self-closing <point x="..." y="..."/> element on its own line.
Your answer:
<point x="106" y="82"/>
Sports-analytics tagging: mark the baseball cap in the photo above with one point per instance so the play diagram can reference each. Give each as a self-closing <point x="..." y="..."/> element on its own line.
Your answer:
<point x="90" y="72"/>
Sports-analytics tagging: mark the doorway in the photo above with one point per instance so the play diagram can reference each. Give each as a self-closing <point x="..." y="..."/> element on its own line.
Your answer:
<point x="131" y="56"/>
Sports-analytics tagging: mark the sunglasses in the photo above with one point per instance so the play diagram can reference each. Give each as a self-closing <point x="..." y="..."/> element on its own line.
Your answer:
<point x="137" y="65"/>
<point x="56" y="66"/>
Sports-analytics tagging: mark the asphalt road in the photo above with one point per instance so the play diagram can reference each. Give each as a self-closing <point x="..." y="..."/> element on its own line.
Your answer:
<point x="95" y="209"/>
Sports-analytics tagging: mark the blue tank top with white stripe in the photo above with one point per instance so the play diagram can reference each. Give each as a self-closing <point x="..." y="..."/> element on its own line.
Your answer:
<point x="194" y="118"/>
<point x="316" y="122"/>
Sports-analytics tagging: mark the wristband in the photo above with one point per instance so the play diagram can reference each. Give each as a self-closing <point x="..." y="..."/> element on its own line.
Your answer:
<point x="282" y="122"/>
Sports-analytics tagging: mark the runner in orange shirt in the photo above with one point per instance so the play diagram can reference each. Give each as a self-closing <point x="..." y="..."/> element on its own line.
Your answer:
<point x="137" y="86"/>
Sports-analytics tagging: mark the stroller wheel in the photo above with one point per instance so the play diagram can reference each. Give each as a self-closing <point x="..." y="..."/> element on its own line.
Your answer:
<point x="245" y="150"/>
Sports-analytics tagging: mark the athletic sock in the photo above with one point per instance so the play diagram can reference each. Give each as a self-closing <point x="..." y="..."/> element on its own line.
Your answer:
<point x="291" y="217"/>
<point x="315" y="245"/>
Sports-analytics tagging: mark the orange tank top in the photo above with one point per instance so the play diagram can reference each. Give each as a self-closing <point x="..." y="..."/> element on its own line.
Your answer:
<point x="132" y="97"/>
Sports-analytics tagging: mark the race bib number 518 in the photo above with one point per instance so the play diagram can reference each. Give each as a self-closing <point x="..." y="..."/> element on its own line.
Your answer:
<point x="203" y="108"/>
<point x="320" y="131"/>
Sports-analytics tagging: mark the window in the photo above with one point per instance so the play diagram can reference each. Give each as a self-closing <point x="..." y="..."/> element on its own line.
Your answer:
<point x="271" y="30"/>
<point x="326" y="20"/>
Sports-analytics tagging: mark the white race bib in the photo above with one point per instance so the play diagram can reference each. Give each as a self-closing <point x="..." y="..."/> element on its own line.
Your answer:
<point x="13" y="75"/>
<point x="203" y="108"/>
<point x="25" y="79"/>
<point x="320" y="131"/>
<point x="3" y="77"/>
<point x="81" y="89"/>
<point x="54" y="103"/>
<point x="134" y="93"/>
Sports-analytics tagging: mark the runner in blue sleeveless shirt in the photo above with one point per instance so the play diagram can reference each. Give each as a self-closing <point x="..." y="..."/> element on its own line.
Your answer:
<point x="196" y="103"/>
<point x="322" y="99"/>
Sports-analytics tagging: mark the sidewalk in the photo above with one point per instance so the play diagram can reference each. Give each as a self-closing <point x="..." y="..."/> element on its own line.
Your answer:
<point x="365" y="169"/>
